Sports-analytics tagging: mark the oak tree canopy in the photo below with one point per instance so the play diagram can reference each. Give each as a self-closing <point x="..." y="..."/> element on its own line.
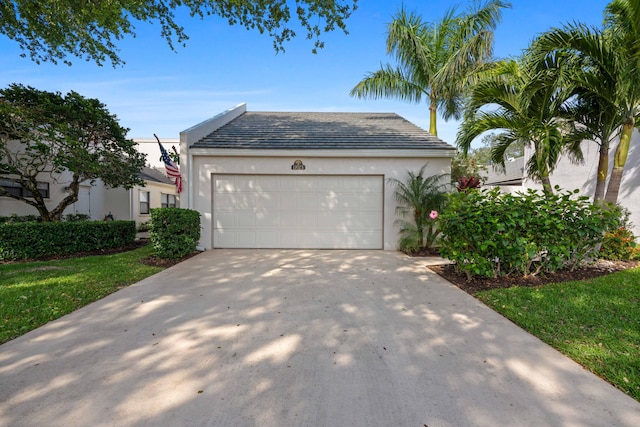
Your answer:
<point x="90" y="30"/>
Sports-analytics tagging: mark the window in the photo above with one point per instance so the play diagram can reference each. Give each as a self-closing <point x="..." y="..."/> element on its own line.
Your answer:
<point x="144" y="202"/>
<point x="20" y="191"/>
<point x="168" y="200"/>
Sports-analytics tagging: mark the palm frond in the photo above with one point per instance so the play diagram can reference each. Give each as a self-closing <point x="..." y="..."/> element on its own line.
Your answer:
<point x="388" y="83"/>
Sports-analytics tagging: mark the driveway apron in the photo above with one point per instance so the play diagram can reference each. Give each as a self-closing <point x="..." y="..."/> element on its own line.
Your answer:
<point x="296" y="338"/>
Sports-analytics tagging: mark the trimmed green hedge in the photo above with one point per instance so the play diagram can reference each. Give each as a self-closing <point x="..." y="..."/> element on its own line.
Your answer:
<point x="174" y="232"/>
<point x="28" y="240"/>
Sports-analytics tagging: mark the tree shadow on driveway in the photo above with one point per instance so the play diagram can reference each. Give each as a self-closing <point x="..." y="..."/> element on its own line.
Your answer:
<point x="296" y="338"/>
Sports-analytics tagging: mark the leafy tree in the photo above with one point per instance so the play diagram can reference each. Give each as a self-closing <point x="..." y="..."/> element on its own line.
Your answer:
<point x="607" y="73"/>
<point x="489" y="142"/>
<point x="436" y="61"/>
<point x="466" y="165"/>
<point x="50" y="31"/>
<point x="418" y="197"/>
<point x="43" y="134"/>
<point x="530" y="99"/>
<point x="476" y="162"/>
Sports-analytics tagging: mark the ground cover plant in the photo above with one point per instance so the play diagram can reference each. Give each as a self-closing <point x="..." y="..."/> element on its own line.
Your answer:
<point x="595" y="322"/>
<point x="34" y="293"/>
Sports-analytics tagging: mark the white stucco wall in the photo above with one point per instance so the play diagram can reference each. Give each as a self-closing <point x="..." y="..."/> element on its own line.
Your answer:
<point x="92" y="203"/>
<point x="149" y="147"/>
<point x="317" y="163"/>
<point x="570" y="176"/>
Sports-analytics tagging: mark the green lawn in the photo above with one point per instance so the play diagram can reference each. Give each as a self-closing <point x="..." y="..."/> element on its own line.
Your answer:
<point x="34" y="293"/>
<point x="595" y="322"/>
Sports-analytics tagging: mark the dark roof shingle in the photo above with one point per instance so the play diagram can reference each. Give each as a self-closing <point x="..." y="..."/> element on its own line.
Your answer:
<point x="292" y="130"/>
<point x="154" y="175"/>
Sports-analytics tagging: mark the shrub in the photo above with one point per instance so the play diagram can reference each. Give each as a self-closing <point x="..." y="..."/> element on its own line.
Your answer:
<point x="490" y="234"/>
<point x="466" y="183"/>
<point x="144" y="226"/>
<point x="619" y="245"/>
<point x="174" y="232"/>
<point x="32" y="240"/>
<point x="77" y="217"/>
<point x="16" y="218"/>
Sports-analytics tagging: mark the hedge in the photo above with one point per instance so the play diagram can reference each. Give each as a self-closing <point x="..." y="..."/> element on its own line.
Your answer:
<point x="174" y="232"/>
<point x="490" y="234"/>
<point x="31" y="240"/>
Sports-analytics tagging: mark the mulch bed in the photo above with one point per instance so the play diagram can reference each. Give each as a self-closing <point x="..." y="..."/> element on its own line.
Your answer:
<point x="155" y="261"/>
<point x="475" y="285"/>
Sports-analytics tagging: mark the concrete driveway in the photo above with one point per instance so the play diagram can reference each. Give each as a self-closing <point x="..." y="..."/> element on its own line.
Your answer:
<point x="296" y="338"/>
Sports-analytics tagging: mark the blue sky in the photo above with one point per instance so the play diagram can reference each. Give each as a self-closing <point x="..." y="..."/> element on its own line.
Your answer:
<point x="165" y="92"/>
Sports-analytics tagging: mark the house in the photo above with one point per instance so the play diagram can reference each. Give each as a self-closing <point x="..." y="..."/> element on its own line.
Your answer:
<point x="99" y="201"/>
<point x="569" y="175"/>
<point x="136" y="203"/>
<point x="302" y="180"/>
<point x="149" y="147"/>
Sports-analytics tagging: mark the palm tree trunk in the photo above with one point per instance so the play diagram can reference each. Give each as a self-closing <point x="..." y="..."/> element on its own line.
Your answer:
<point x="433" y="130"/>
<point x="619" y="160"/>
<point x="603" y="171"/>
<point x="546" y="185"/>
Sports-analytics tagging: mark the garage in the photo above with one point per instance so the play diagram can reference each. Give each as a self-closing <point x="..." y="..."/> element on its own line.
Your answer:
<point x="302" y="180"/>
<point x="298" y="211"/>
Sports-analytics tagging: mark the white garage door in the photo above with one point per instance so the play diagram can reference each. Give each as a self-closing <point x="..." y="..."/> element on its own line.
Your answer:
<point x="294" y="211"/>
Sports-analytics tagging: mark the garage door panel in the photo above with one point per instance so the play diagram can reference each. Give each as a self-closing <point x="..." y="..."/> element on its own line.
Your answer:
<point x="288" y="219"/>
<point x="309" y="202"/>
<point x="293" y="211"/>
<point x="267" y="239"/>
<point x="266" y="202"/>
<point x="224" y="239"/>
<point x="245" y="239"/>
<point x="225" y="185"/>
<point x="288" y="201"/>
<point x="330" y="184"/>
<point x="245" y="220"/>
<point x="267" y="220"/>
<point x="225" y="220"/>
<point x="308" y="220"/>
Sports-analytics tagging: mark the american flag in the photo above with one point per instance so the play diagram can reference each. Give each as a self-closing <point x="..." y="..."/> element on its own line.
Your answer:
<point x="172" y="170"/>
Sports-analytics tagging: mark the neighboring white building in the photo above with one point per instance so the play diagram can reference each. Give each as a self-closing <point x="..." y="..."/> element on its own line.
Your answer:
<point x="136" y="203"/>
<point x="571" y="176"/>
<point x="99" y="201"/>
<point x="149" y="147"/>
<point x="302" y="180"/>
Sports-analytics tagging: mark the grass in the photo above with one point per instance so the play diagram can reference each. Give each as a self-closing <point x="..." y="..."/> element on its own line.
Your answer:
<point x="594" y="322"/>
<point x="34" y="293"/>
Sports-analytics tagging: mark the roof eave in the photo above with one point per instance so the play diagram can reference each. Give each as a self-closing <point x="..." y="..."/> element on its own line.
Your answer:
<point x="372" y="153"/>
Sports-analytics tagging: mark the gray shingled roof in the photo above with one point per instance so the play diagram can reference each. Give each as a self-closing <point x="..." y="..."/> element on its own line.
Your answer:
<point x="154" y="175"/>
<point x="280" y="130"/>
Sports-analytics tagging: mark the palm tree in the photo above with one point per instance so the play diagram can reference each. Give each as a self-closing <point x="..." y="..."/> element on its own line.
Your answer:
<point x="418" y="196"/>
<point x="609" y="79"/>
<point x="530" y="99"/>
<point x="436" y="61"/>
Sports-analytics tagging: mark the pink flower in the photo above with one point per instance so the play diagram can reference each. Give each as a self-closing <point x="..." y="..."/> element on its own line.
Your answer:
<point x="433" y="215"/>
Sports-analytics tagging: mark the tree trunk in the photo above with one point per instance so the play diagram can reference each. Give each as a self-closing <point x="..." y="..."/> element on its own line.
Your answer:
<point x="433" y="130"/>
<point x="619" y="160"/>
<point x="603" y="172"/>
<point x="74" y="189"/>
<point x="44" y="213"/>
<point x="546" y="185"/>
